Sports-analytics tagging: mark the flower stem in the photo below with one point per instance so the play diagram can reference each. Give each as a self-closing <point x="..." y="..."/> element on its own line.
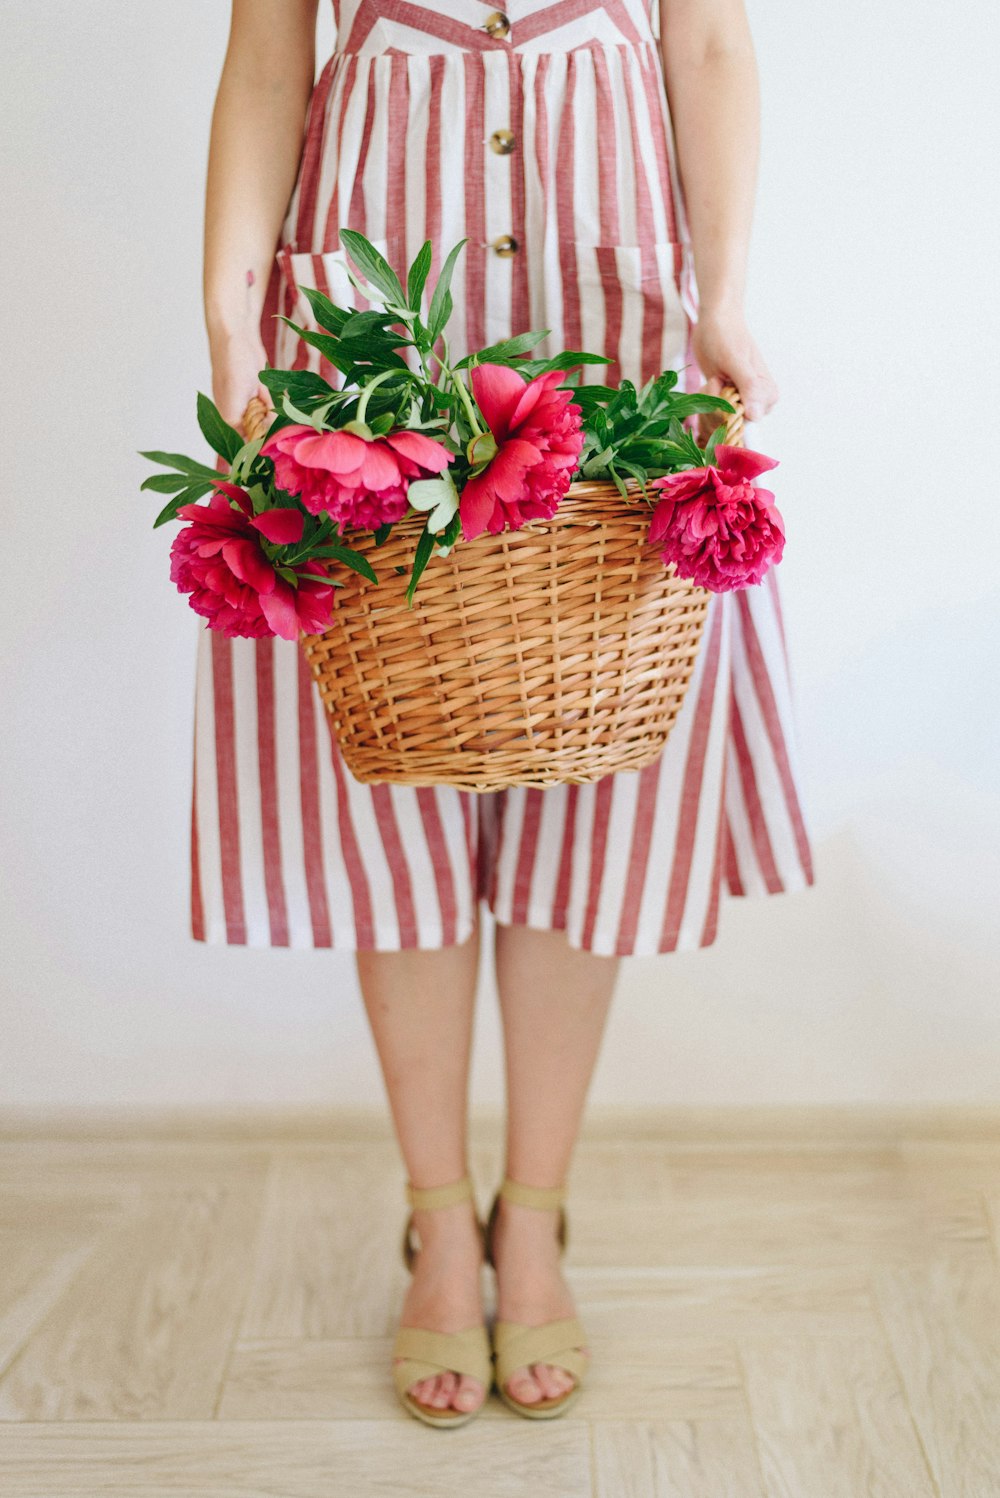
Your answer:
<point x="363" y="402"/>
<point x="463" y="394"/>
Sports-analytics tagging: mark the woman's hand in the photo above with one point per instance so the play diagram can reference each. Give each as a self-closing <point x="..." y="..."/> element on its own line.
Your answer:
<point x="237" y="358"/>
<point x="727" y="353"/>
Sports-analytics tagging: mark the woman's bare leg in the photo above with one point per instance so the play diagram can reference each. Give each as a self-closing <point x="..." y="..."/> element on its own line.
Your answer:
<point x="554" y="1001"/>
<point x="420" y="1006"/>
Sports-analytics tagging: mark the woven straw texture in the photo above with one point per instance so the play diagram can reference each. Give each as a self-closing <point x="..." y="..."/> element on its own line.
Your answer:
<point x="557" y="652"/>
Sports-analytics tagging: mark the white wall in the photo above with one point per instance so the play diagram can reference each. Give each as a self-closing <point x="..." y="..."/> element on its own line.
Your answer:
<point x="874" y="295"/>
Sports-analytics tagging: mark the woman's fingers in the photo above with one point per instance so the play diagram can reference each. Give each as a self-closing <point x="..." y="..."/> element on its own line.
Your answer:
<point x="237" y="359"/>
<point x="726" y="352"/>
<point x="256" y="415"/>
<point x="758" y="391"/>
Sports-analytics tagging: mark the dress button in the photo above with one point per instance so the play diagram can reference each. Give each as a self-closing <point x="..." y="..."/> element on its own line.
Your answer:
<point x="505" y="244"/>
<point x="496" y="23"/>
<point x="502" y="142"/>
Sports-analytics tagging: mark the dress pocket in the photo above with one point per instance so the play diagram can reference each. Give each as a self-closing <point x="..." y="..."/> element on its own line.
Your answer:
<point x="327" y="271"/>
<point x="634" y="306"/>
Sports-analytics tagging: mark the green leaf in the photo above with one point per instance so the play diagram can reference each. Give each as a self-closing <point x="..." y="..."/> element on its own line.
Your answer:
<point x="438" y="496"/>
<point x="616" y="478"/>
<point x="425" y="545"/>
<point x="596" y="465"/>
<point x="302" y="417"/>
<point x="373" y="326"/>
<point x="327" y="314"/>
<point x="638" y="472"/>
<point x="370" y="354"/>
<point x="508" y="348"/>
<point x="362" y="368"/>
<point x="372" y="293"/>
<point x="167" y="483"/>
<point x="373" y="264"/>
<point x="717" y="436"/>
<point x="301" y="384"/>
<point x="691" y="405"/>
<point x="263" y="498"/>
<point x="566" y="360"/>
<point x="187" y="497"/>
<point x="445" y="308"/>
<point x="328" y="346"/>
<point x="355" y="561"/>
<point x="220" y="436"/>
<point x="417" y="278"/>
<point x="178" y="460"/>
<point x="441" y="303"/>
<point x="591" y="396"/>
<point x="245" y="460"/>
<point x="382" y="534"/>
<point x="369" y="323"/>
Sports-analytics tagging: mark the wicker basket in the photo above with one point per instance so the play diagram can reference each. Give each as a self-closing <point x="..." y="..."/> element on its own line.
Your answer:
<point x="557" y="652"/>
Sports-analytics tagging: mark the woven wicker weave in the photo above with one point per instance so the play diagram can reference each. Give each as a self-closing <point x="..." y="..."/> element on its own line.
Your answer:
<point x="557" y="652"/>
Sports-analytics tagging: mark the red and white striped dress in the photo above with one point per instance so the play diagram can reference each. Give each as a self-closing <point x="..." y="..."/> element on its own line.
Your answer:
<point x="542" y="135"/>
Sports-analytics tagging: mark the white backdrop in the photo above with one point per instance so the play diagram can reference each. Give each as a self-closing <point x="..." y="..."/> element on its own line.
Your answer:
<point x="873" y="292"/>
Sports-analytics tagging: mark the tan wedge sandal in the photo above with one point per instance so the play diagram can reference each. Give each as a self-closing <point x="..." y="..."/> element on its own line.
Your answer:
<point x="558" y="1342"/>
<point x="427" y="1353"/>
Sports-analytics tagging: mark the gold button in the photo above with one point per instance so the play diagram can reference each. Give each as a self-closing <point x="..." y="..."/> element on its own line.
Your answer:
<point x="496" y="23"/>
<point x="505" y="244"/>
<point x="502" y="142"/>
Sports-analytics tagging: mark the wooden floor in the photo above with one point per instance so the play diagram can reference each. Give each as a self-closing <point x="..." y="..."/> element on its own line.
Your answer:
<point x="782" y="1304"/>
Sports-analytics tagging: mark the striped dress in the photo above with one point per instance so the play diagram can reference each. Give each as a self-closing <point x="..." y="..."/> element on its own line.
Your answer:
<point x="540" y="134"/>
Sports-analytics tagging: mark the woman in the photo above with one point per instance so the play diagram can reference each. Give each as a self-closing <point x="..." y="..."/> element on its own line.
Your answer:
<point x="542" y="134"/>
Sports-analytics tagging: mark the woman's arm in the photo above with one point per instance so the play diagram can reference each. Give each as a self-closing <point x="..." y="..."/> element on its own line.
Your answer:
<point x="254" y="150"/>
<point x="711" y="76"/>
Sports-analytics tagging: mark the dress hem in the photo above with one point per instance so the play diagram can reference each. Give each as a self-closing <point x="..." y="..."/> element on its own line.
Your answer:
<point x="601" y="945"/>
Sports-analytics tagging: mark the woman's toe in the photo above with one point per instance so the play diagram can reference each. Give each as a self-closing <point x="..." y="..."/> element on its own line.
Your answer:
<point x="444" y="1388"/>
<point x="525" y="1387"/>
<point x="469" y="1393"/>
<point x="553" y="1381"/>
<point x="425" y="1390"/>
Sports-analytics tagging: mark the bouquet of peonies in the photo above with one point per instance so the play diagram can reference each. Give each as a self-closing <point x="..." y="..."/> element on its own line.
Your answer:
<point x="487" y="443"/>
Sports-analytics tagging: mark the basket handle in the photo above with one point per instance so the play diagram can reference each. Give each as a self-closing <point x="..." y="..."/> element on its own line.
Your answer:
<point x="258" y="417"/>
<point x="734" y="424"/>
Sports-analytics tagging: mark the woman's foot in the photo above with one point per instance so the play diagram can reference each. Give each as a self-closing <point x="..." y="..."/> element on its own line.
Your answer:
<point x="445" y="1295"/>
<point x="531" y="1289"/>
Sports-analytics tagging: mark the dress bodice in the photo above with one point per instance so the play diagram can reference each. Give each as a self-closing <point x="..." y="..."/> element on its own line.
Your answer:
<point x="537" y="26"/>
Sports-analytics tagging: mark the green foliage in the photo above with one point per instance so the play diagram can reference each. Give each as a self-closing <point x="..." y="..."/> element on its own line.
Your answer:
<point x="441" y="302"/>
<point x="179" y="461"/>
<point x="220" y="436"/>
<point x="394" y="375"/>
<point x="375" y="266"/>
<point x="425" y="545"/>
<point x="630" y="434"/>
<point x="416" y="280"/>
<point x="303" y="385"/>
<point x="505" y="352"/>
<point x="187" y="496"/>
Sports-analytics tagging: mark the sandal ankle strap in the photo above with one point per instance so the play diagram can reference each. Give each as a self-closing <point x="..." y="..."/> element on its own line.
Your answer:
<point x="546" y="1197"/>
<point x="426" y="1198"/>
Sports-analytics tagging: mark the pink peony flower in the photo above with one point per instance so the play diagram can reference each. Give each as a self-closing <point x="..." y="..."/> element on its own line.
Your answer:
<point x="720" y="529"/>
<point x="217" y="558"/>
<point x="538" y="436"/>
<point x="357" y="480"/>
